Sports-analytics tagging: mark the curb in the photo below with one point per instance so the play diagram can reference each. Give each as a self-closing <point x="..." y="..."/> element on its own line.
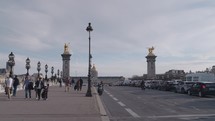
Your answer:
<point x="103" y="113"/>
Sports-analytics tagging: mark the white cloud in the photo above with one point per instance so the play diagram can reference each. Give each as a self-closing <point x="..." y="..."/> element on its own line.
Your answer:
<point x="182" y="33"/>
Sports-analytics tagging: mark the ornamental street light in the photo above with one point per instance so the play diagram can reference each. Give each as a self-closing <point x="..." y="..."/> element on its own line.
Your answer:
<point x="11" y="62"/>
<point x="27" y="66"/>
<point x="89" y="94"/>
<point x="38" y="68"/>
<point x="58" y="73"/>
<point x="52" y="71"/>
<point x="46" y="70"/>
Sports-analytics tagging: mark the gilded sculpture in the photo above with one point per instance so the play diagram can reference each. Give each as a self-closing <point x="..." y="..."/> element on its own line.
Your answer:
<point x="66" y="48"/>
<point x="151" y="50"/>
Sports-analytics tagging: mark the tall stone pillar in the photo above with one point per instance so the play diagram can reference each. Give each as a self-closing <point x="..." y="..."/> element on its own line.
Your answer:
<point x="66" y="62"/>
<point x="151" y="74"/>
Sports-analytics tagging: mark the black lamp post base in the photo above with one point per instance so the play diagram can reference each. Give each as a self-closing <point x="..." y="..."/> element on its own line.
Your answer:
<point x="88" y="94"/>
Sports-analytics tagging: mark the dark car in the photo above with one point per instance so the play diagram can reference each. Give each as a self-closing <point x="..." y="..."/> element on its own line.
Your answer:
<point x="202" y="88"/>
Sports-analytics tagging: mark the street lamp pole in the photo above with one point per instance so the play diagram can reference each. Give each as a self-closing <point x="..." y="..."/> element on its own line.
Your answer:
<point x="46" y="70"/>
<point x="27" y="66"/>
<point x="11" y="62"/>
<point x="58" y="73"/>
<point x="89" y="94"/>
<point x="38" y="68"/>
<point x="52" y="71"/>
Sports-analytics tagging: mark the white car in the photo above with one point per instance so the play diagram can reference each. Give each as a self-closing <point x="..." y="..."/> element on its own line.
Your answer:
<point x="183" y="86"/>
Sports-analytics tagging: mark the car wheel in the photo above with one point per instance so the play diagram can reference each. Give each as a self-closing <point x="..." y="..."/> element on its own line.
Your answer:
<point x="200" y="94"/>
<point x="188" y="92"/>
<point x="182" y="90"/>
<point x="175" y="91"/>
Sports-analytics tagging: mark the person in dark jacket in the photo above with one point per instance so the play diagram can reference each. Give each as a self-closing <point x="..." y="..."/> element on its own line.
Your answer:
<point x="15" y="84"/>
<point x="39" y="85"/>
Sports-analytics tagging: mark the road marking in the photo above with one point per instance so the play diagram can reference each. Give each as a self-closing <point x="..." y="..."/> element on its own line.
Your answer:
<point x="132" y="113"/>
<point x="120" y="103"/>
<point x="115" y="99"/>
<point x="195" y="108"/>
<point x="184" y="116"/>
<point x="111" y="95"/>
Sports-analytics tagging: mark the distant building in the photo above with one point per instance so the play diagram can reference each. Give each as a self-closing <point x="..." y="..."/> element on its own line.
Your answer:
<point x="169" y="75"/>
<point x="174" y="74"/>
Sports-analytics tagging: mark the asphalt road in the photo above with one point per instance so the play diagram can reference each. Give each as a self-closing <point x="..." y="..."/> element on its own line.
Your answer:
<point x="134" y="104"/>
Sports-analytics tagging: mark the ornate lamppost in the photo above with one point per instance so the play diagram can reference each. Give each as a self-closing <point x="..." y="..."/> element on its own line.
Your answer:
<point x="11" y="62"/>
<point x="58" y="73"/>
<point x="27" y="66"/>
<point x="38" y="68"/>
<point x="52" y="71"/>
<point x="46" y="70"/>
<point x="89" y="94"/>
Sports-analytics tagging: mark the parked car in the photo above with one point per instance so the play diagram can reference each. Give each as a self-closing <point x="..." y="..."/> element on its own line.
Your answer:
<point x="167" y="86"/>
<point x="183" y="86"/>
<point x="202" y="88"/>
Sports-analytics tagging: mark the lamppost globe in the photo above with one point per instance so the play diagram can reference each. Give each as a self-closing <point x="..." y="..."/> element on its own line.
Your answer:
<point x="11" y="56"/>
<point x="89" y="28"/>
<point x="27" y="66"/>
<point x="38" y="68"/>
<point x="89" y="94"/>
<point x="11" y="62"/>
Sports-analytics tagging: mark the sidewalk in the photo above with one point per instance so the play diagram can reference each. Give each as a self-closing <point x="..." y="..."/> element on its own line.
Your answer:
<point x="60" y="106"/>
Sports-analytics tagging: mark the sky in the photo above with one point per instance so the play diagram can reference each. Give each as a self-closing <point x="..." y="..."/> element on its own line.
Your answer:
<point x="181" y="31"/>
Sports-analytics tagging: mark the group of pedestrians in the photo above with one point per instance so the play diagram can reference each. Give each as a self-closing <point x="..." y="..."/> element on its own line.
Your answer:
<point x="40" y="86"/>
<point x="69" y="83"/>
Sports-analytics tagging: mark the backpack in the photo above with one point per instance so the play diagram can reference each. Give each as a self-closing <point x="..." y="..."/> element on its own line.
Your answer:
<point x="31" y="86"/>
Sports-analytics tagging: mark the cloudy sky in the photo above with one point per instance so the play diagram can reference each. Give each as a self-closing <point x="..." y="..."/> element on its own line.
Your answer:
<point x="181" y="31"/>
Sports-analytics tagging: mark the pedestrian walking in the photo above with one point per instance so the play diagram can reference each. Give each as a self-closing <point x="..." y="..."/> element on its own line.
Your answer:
<point x="15" y="85"/>
<point x="45" y="89"/>
<point x="81" y="83"/>
<point x="72" y="82"/>
<point x="77" y="85"/>
<point x="39" y="85"/>
<point x="9" y="83"/>
<point x="60" y="81"/>
<point x="27" y="86"/>
<point x="67" y="84"/>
